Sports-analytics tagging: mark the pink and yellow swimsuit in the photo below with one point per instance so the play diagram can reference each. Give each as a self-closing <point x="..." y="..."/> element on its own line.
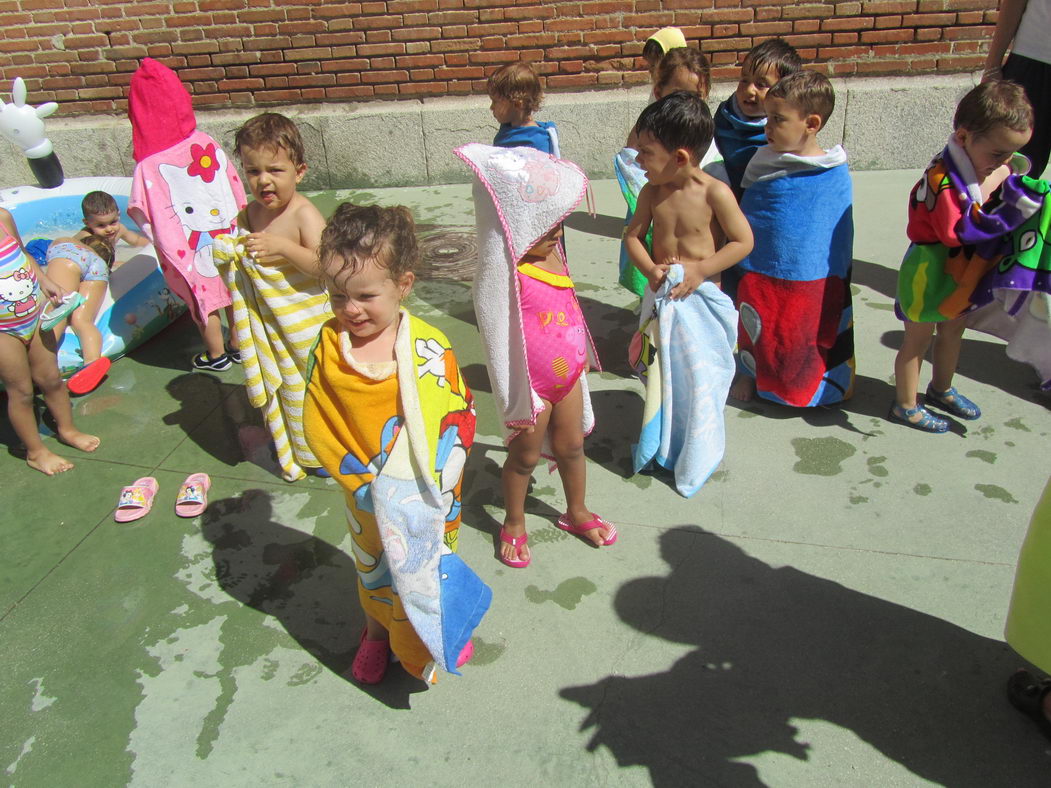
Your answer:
<point x="20" y="300"/>
<point x="555" y="335"/>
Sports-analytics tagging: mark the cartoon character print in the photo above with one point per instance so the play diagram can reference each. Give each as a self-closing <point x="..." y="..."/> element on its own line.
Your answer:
<point x="935" y="180"/>
<point x="19" y="291"/>
<point x="202" y="201"/>
<point x="352" y="465"/>
<point x="535" y="174"/>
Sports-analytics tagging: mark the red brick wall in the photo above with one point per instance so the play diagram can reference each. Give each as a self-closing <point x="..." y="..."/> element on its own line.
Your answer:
<point x="249" y="53"/>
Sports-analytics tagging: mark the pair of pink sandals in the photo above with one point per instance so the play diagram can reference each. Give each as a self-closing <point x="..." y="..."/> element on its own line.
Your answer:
<point x="565" y="522"/>
<point x="373" y="657"/>
<point x="136" y="499"/>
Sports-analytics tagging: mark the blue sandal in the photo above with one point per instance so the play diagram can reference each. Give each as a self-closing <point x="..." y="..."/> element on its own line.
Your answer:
<point x="928" y="421"/>
<point x="953" y="402"/>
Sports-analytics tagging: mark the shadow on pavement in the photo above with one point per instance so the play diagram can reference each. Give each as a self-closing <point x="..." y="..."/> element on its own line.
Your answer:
<point x="307" y="584"/>
<point x="777" y="644"/>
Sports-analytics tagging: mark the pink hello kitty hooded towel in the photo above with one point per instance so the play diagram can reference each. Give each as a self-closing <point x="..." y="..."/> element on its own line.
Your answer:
<point x="185" y="191"/>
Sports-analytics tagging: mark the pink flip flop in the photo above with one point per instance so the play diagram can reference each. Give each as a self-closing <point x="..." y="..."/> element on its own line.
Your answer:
<point x="136" y="500"/>
<point x="87" y="379"/>
<point x="193" y="495"/>
<point x="565" y="522"/>
<point x="371" y="661"/>
<point x="517" y="542"/>
<point x="465" y="654"/>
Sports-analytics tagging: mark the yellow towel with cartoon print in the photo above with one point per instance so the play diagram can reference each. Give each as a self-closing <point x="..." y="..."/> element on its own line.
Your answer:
<point x="278" y="312"/>
<point x="396" y="440"/>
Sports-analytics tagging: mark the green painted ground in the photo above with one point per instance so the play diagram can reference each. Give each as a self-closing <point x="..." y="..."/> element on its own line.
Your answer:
<point x="827" y="610"/>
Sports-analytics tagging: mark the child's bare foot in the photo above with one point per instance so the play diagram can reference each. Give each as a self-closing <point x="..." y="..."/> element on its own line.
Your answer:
<point x="743" y="388"/>
<point x="47" y="462"/>
<point x="79" y="440"/>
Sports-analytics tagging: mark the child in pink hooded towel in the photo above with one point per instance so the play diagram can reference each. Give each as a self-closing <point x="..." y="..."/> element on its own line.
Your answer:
<point x="185" y="192"/>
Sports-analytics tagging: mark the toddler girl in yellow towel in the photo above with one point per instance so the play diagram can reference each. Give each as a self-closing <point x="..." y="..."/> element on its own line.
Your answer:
<point x="379" y="375"/>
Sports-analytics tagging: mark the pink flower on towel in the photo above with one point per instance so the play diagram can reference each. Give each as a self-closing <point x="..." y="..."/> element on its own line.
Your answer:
<point x="204" y="164"/>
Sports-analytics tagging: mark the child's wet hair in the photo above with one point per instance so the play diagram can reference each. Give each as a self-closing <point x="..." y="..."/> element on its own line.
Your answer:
<point x="997" y="102"/>
<point x="271" y="130"/>
<point x="679" y="120"/>
<point x="357" y="234"/>
<point x="808" y="91"/>
<point x="773" y="53"/>
<point x="519" y="84"/>
<point x="98" y="204"/>
<point x="693" y="60"/>
<point x="100" y="247"/>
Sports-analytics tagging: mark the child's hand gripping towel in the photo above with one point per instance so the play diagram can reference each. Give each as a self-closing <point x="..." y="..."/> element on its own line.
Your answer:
<point x="411" y="486"/>
<point x="956" y="238"/>
<point x="520" y="195"/>
<point x="797" y="326"/>
<point x="632" y="178"/>
<point x="185" y="191"/>
<point x="1013" y="300"/>
<point x="684" y="354"/>
<point x="278" y="313"/>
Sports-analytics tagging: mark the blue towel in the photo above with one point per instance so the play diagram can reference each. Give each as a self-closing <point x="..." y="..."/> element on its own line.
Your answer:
<point x="738" y="139"/>
<point x="684" y="354"/>
<point x="543" y="136"/>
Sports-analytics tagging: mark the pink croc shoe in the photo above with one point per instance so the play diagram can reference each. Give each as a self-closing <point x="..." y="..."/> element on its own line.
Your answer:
<point x="371" y="661"/>
<point x="565" y="522"/>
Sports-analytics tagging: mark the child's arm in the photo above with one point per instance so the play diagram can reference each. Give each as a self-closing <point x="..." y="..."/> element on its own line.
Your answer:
<point x="635" y="239"/>
<point x="132" y="238"/>
<point x="267" y="247"/>
<point x="738" y="245"/>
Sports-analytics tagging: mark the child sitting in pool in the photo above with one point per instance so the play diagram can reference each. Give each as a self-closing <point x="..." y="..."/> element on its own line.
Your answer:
<point x="28" y="358"/>
<point x="82" y="268"/>
<point x="102" y="220"/>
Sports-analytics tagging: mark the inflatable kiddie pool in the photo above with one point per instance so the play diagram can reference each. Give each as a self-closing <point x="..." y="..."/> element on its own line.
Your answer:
<point x="138" y="303"/>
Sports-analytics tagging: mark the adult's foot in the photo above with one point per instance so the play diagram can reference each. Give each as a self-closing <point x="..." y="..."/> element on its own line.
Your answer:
<point x="47" y="462"/>
<point x="79" y="440"/>
<point x="743" y="388"/>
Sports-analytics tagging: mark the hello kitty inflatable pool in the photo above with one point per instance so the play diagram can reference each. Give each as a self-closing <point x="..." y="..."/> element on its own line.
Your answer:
<point x="139" y="302"/>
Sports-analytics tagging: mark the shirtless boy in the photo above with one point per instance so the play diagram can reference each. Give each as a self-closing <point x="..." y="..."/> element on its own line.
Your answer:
<point x="102" y="220"/>
<point x="696" y="219"/>
<point x="284" y="225"/>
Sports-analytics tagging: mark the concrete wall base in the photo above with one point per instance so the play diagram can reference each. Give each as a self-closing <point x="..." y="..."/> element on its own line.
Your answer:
<point x="885" y="123"/>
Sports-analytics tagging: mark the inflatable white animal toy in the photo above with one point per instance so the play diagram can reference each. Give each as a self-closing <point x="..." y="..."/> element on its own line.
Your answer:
<point x="24" y="126"/>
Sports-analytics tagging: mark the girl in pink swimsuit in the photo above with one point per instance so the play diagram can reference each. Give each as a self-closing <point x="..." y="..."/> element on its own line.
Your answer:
<point x="556" y="345"/>
<point x="27" y="358"/>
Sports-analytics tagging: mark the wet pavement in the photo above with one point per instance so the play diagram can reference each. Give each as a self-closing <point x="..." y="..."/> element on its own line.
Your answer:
<point x="827" y="610"/>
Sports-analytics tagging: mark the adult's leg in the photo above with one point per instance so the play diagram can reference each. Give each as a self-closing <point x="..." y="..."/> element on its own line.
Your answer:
<point x="17" y="379"/>
<point x="523" y="454"/>
<point x="1035" y="78"/>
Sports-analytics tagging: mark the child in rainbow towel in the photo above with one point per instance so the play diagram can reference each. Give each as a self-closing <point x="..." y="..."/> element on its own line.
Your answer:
<point x="389" y="416"/>
<point x="959" y="232"/>
<point x="27" y="357"/>
<point x="536" y="343"/>
<point x="515" y="94"/>
<point x="796" y="340"/>
<point x="272" y="273"/>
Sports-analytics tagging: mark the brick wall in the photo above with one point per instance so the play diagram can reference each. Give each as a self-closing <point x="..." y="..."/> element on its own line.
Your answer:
<point x="255" y="53"/>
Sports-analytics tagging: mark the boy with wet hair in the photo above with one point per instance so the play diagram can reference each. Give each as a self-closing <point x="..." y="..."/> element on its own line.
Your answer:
<point x="515" y="94"/>
<point x="696" y="220"/>
<point x="740" y="120"/>
<point x="796" y="343"/>
<point x="102" y="220"/>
